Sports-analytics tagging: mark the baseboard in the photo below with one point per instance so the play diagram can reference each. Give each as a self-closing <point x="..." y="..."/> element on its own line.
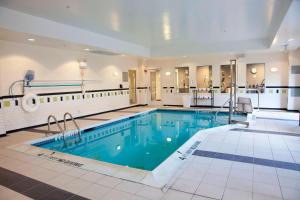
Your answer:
<point x="173" y="105"/>
<point x="208" y="106"/>
<point x="89" y="115"/>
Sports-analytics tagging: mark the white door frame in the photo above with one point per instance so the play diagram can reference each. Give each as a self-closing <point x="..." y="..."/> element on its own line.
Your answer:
<point x="149" y="100"/>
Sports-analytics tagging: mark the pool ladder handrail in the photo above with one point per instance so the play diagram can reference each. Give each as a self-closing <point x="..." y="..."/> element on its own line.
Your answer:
<point x="75" y="123"/>
<point x="56" y="122"/>
<point x="219" y="110"/>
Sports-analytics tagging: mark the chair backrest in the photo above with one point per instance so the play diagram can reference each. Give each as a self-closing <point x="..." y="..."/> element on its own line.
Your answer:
<point x="244" y="105"/>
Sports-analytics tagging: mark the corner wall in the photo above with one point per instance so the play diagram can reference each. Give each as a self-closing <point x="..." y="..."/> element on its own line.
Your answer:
<point x="294" y="80"/>
<point x="103" y="92"/>
<point x="275" y="95"/>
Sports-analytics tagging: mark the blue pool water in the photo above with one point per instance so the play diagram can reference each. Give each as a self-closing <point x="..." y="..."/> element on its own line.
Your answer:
<point x="143" y="141"/>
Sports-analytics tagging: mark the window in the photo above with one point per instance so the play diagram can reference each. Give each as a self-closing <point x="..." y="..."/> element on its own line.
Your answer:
<point x="255" y="78"/>
<point x="204" y="74"/>
<point x="226" y="78"/>
<point x="182" y="79"/>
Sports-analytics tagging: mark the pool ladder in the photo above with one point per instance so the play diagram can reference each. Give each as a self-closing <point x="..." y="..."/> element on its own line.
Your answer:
<point x="220" y="109"/>
<point x="74" y="122"/>
<point x="65" y="125"/>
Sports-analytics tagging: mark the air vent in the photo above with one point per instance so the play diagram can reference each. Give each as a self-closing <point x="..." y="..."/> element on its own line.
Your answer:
<point x="107" y="53"/>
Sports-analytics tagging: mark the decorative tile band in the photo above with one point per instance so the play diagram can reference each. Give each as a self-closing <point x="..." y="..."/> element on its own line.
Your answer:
<point x="71" y="92"/>
<point x="248" y="159"/>
<point x="9" y="101"/>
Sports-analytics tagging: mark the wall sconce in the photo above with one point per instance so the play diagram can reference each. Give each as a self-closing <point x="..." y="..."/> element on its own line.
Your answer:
<point x="168" y="73"/>
<point x="253" y="70"/>
<point x="273" y="69"/>
<point x="82" y="64"/>
<point x="116" y="74"/>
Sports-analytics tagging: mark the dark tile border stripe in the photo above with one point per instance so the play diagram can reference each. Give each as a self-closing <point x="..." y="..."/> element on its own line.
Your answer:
<point x="293" y="120"/>
<point x="265" y="132"/>
<point x="248" y="159"/>
<point x="32" y="188"/>
<point x="63" y="93"/>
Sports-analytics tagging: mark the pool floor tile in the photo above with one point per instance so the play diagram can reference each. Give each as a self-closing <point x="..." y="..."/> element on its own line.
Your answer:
<point x="233" y="194"/>
<point x="186" y="185"/>
<point x="95" y="191"/>
<point x="28" y="187"/>
<point x="129" y="187"/>
<point x="290" y="193"/>
<point x="211" y="191"/>
<point x="176" y="195"/>
<point x="240" y="184"/>
<point x="150" y="193"/>
<point x="267" y="189"/>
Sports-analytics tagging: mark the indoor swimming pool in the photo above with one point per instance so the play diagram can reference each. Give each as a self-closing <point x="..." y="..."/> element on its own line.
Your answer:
<point x="142" y="141"/>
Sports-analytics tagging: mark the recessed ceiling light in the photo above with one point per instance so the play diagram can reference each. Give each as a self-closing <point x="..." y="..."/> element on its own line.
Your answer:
<point x="289" y="40"/>
<point x="31" y="39"/>
<point x="86" y="49"/>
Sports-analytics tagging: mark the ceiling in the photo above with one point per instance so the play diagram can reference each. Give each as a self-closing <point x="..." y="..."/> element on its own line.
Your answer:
<point x="171" y="27"/>
<point x="13" y="36"/>
<point x="289" y="31"/>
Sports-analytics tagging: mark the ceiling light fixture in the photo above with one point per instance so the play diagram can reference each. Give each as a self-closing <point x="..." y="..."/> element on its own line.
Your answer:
<point x="82" y="64"/>
<point x="31" y="39"/>
<point x="123" y="55"/>
<point x="86" y="49"/>
<point x="166" y="26"/>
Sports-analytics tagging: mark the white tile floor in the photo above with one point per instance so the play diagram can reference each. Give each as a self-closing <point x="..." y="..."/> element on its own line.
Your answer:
<point x="199" y="178"/>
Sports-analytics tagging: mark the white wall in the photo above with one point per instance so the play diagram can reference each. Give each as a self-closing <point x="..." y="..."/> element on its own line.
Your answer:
<point x="294" y="80"/>
<point x="58" y="64"/>
<point x="270" y="99"/>
<point x="2" y="124"/>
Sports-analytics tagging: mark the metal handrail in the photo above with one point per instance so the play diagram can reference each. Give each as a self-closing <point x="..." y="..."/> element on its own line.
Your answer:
<point x="75" y="123"/>
<point x="56" y="122"/>
<point x="222" y="106"/>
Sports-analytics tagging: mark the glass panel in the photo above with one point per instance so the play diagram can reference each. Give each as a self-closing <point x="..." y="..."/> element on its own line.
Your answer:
<point x="226" y="78"/>
<point x="255" y="78"/>
<point x="132" y="86"/>
<point x="124" y="76"/>
<point x="182" y="79"/>
<point x="153" y="85"/>
<point x="204" y="74"/>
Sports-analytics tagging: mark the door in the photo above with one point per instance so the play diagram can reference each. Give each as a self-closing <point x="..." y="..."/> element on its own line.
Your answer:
<point x="132" y="86"/>
<point x="155" y="87"/>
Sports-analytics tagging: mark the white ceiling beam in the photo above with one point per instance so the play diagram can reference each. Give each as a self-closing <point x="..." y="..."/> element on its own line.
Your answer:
<point x="21" y="22"/>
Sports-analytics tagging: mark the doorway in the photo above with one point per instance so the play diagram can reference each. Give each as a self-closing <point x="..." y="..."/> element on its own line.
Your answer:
<point x="155" y="87"/>
<point x="132" y="86"/>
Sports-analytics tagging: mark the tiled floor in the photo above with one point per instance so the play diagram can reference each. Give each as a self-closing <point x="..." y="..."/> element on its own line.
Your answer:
<point x="202" y="176"/>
